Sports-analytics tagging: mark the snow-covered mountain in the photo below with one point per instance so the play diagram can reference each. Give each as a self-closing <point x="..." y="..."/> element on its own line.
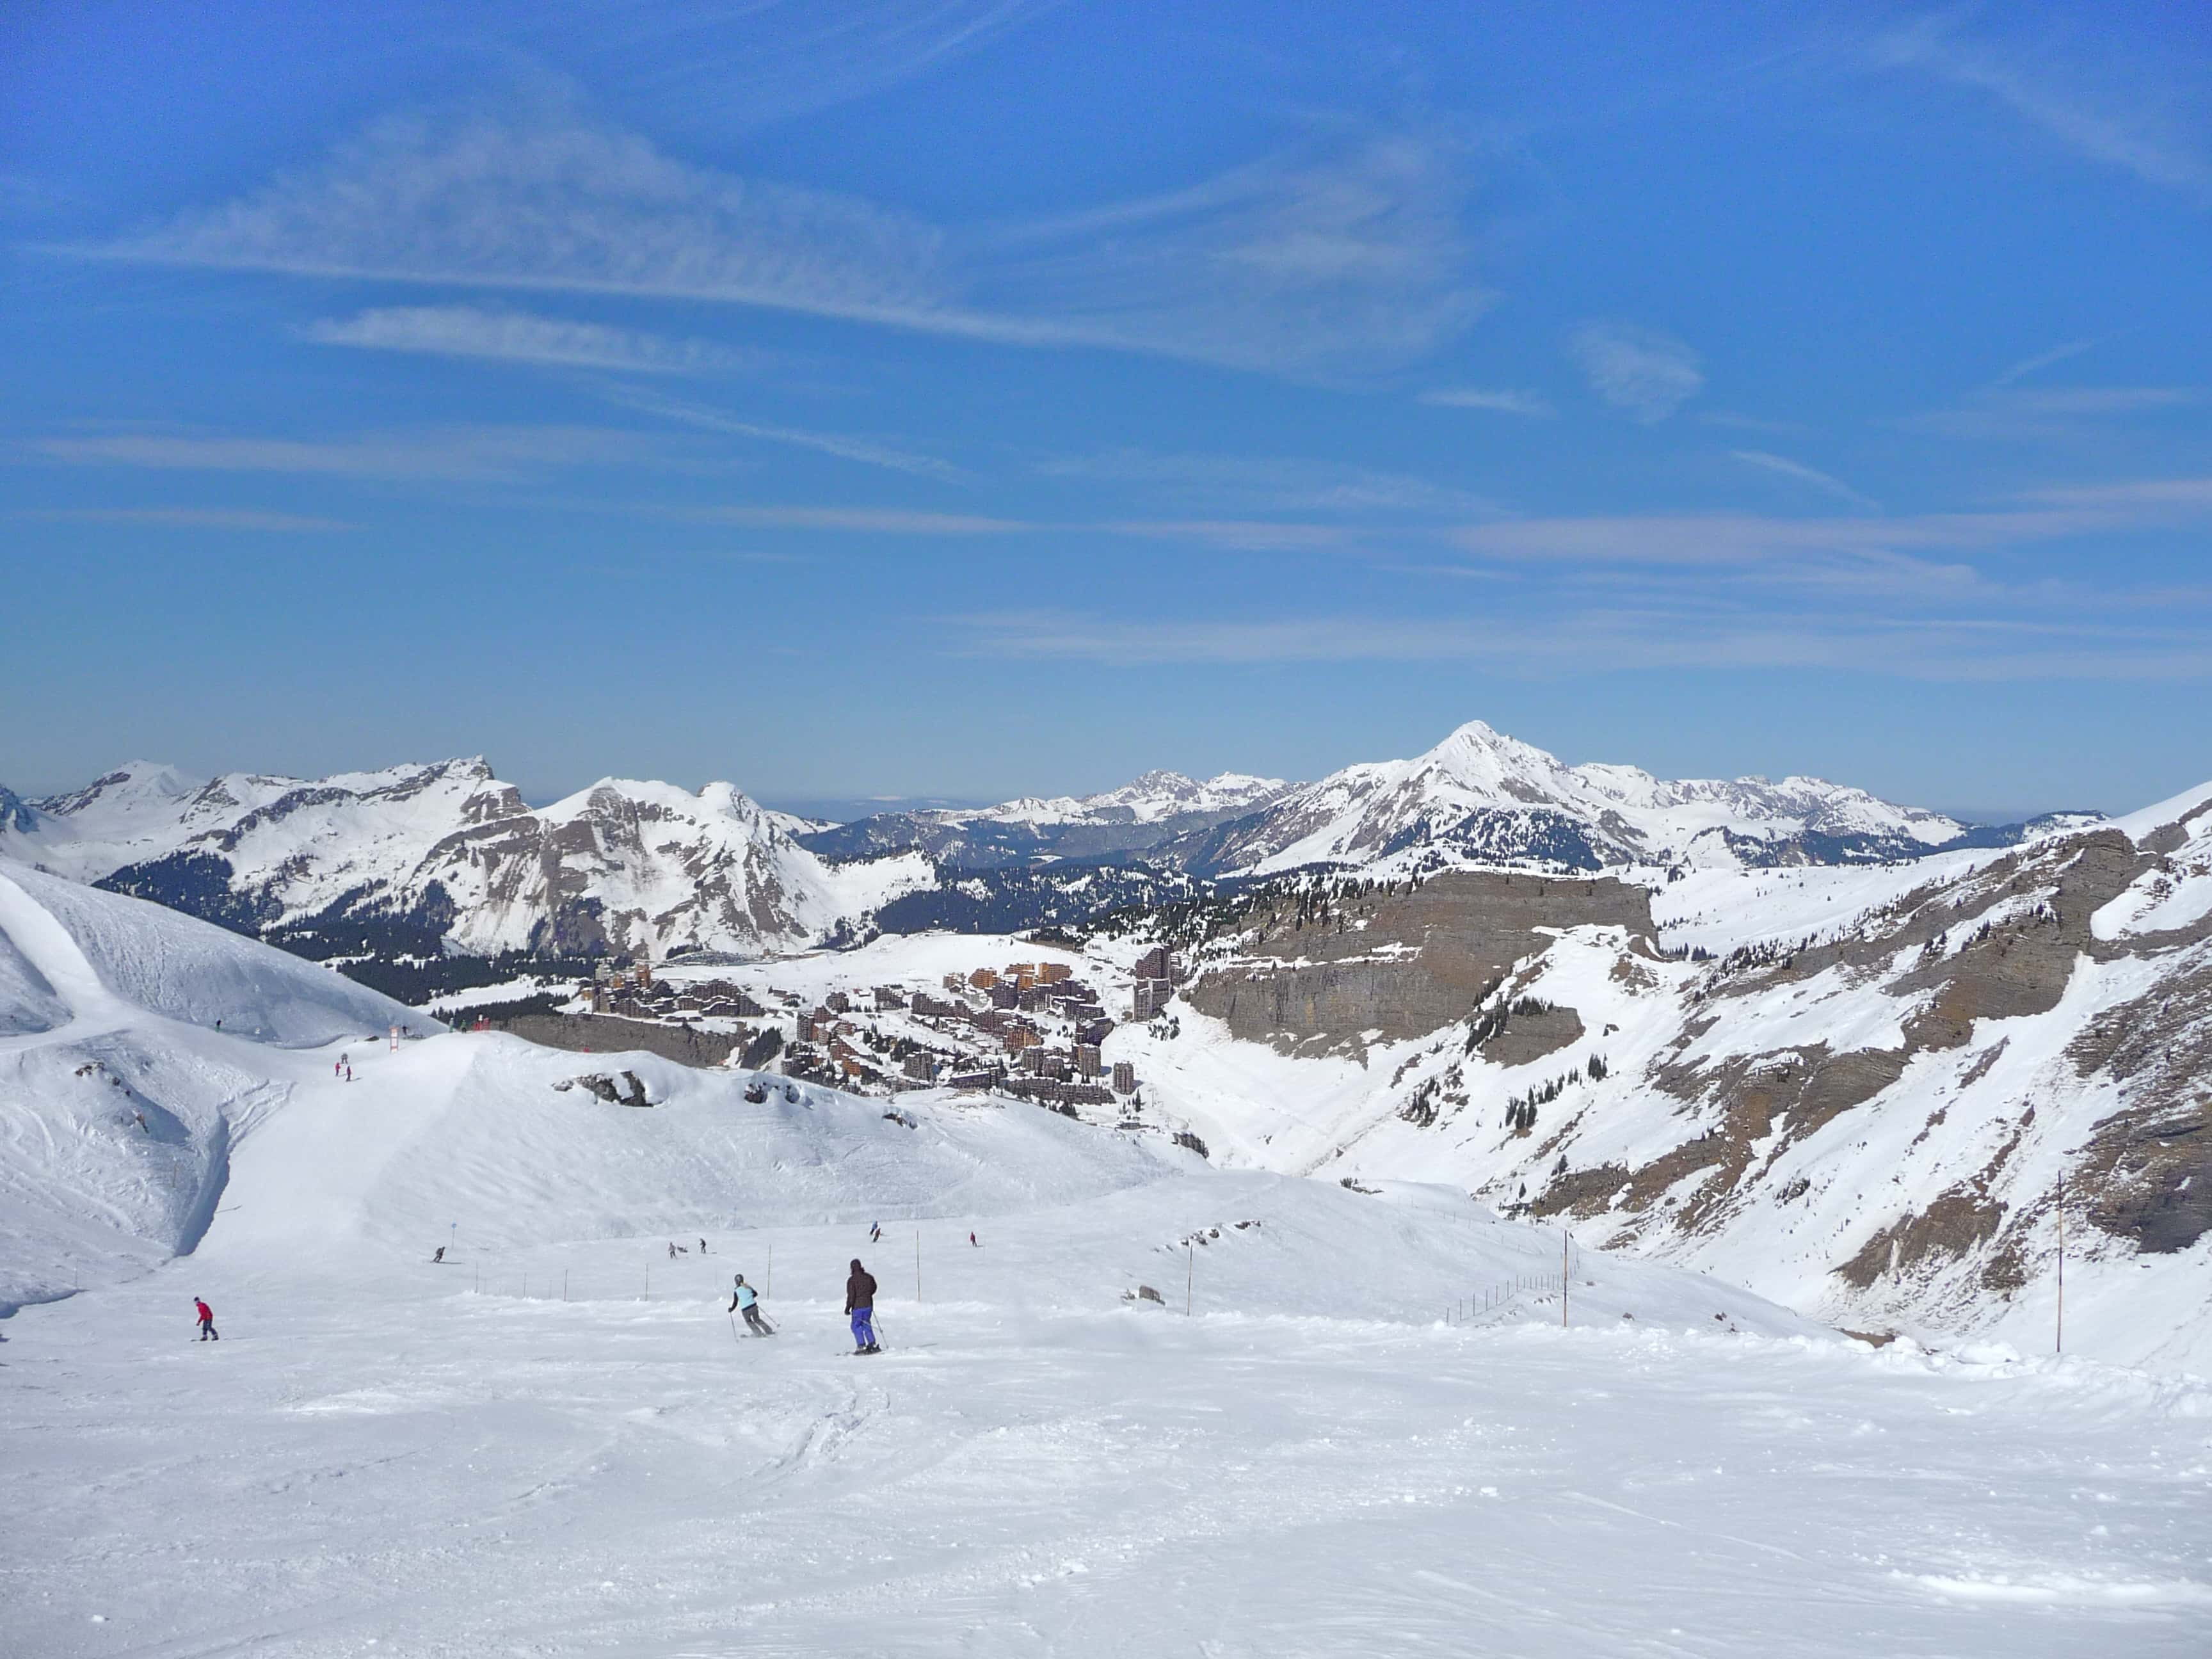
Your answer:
<point x="1151" y="799"/>
<point x="1142" y="814"/>
<point x="455" y="860"/>
<point x="1483" y="798"/>
<point x="1867" y="1092"/>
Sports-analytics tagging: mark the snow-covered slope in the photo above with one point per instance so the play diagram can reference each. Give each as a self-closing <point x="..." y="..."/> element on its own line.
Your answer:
<point x="1128" y="1402"/>
<point x="454" y="855"/>
<point x="1857" y="1091"/>
<point x="1482" y="797"/>
<point x="135" y="1046"/>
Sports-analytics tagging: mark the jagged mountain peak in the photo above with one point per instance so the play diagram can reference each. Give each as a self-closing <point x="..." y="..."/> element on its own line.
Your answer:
<point x="1484" y="797"/>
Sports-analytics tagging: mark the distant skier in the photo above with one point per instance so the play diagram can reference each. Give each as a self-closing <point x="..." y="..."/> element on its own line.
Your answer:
<point x="338" y="1067"/>
<point x="971" y="1238"/>
<point x="671" y="1249"/>
<point x="861" y="1304"/>
<point x="876" y="1233"/>
<point x="209" y="1334"/>
<point x="439" y="1255"/>
<point x="702" y="1247"/>
<point x="348" y="1072"/>
<point x="745" y="1300"/>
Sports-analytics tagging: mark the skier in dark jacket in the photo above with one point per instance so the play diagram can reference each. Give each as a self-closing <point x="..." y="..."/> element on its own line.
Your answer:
<point x="861" y="1304"/>
<point x="745" y="1300"/>
<point x="209" y="1334"/>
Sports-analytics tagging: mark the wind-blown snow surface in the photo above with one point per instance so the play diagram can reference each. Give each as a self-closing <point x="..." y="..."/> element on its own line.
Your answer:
<point x="387" y="1457"/>
<point x="1379" y="1431"/>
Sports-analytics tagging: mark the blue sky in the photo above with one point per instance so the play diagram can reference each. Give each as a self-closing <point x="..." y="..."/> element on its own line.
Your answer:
<point x="966" y="400"/>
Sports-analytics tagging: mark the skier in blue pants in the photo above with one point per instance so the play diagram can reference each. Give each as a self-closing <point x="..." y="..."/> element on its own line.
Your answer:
<point x="861" y="1304"/>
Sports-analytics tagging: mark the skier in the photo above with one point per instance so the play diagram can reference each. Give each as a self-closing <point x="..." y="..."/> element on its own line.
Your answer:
<point x="209" y="1334"/>
<point x="745" y="1300"/>
<point x="338" y="1067"/>
<point x="348" y="1072"/>
<point x="861" y="1304"/>
<point x="671" y="1249"/>
<point x="439" y="1255"/>
<point x="702" y="1247"/>
<point x="971" y="1238"/>
<point x="876" y="1233"/>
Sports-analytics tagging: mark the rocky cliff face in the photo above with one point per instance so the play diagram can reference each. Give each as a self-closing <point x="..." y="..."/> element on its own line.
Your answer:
<point x="1341" y="971"/>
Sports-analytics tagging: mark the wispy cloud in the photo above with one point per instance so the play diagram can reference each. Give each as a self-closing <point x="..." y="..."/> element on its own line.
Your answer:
<point x="845" y="447"/>
<point x="768" y="60"/>
<point x="1646" y="372"/>
<point x="1741" y="539"/>
<point x="1803" y="474"/>
<point x="521" y="336"/>
<point x="1209" y="484"/>
<point x="188" y="517"/>
<point x="892" y="521"/>
<point x="2041" y="361"/>
<point x="1243" y="535"/>
<point x="1967" y="649"/>
<point x="1347" y="261"/>
<point x="458" y="453"/>
<point x="2131" y="115"/>
<point x="2010" y="413"/>
<point x="1501" y="403"/>
<point x="2159" y="499"/>
<point x="1735" y="423"/>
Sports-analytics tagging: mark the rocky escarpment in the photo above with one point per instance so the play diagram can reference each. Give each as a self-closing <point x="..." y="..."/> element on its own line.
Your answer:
<point x="1322" y="968"/>
<point x="1959" y="964"/>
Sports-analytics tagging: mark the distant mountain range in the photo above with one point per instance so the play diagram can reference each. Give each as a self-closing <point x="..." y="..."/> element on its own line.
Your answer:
<point x="424" y="860"/>
<point x="414" y="865"/>
<point x="1141" y="816"/>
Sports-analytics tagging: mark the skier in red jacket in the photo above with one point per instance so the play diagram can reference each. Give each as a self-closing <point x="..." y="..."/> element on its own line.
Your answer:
<point x="207" y="1332"/>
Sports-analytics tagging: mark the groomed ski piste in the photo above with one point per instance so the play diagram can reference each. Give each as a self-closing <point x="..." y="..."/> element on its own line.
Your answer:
<point x="1354" y="1422"/>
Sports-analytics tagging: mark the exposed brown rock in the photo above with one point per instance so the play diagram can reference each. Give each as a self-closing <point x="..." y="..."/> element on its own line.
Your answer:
<point x="1421" y="961"/>
<point x="605" y="1034"/>
<point x="1959" y="1221"/>
<point x="1529" y="1037"/>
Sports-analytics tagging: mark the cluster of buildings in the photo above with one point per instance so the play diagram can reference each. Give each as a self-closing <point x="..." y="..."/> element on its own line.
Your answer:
<point x="1032" y="1029"/>
<point x="629" y="989"/>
